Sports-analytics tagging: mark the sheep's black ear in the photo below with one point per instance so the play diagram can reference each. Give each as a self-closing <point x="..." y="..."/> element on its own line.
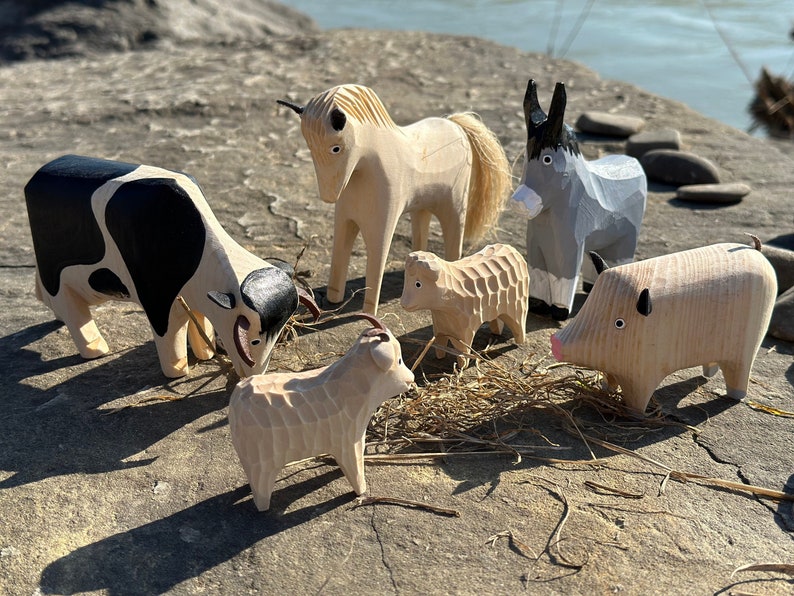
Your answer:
<point x="338" y="119"/>
<point x="599" y="263"/>
<point x="221" y="299"/>
<point x="644" y="306"/>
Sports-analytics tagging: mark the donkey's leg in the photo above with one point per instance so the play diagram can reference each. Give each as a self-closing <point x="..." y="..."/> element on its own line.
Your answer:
<point x="345" y="232"/>
<point x="420" y="229"/>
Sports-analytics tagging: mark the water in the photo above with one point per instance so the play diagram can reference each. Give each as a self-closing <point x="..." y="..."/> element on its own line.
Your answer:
<point x="678" y="49"/>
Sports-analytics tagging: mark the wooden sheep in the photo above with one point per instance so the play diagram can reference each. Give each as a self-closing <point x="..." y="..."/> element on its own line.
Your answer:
<point x="105" y="230"/>
<point x="708" y="306"/>
<point x="373" y="170"/>
<point x="282" y="417"/>
<point x="573" y="205"/>
<point x="491" y="285"/>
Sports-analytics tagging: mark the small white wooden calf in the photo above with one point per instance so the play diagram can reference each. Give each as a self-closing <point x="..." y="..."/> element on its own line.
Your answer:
<point x="282" y="417"/>
<point x="491" y="285"/>
<point x="708" y="306"/>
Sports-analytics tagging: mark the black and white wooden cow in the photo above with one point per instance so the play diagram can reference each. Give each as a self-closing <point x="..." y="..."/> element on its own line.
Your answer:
<point x="106" y="230"/>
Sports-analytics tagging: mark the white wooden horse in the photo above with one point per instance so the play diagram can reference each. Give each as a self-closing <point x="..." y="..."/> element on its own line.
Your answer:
<point x="373" y="170"/>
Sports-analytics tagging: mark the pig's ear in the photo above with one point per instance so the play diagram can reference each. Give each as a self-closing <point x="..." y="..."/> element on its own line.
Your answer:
<point x="644" y="306"/>
<point x="599" y="263"/>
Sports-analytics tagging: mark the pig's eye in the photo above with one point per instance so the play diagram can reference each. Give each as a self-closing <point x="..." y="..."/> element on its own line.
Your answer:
<point x="547" y="160"/>
<point x="418" y="284"/>
<point x="256" y="342"/>
<point x="620" y="323"/>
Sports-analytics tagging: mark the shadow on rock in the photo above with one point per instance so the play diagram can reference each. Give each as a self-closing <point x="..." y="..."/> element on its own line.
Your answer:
<point x="155" y="557"/>
<point x="64" y="428"/>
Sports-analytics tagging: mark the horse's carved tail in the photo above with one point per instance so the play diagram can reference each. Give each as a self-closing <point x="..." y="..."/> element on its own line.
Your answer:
<point x="490" y="176"/>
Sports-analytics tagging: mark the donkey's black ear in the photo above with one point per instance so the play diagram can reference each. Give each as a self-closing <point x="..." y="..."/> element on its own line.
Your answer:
<point x="644" y="306"/>
<point x="338" y="119"/>
<point x="599" y="263"/>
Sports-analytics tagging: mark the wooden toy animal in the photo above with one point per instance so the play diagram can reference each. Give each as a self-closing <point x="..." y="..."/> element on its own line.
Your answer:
<point x="373" y="170"/>
<point x="491" y="285"/>
<point x="708" y="306"/>
<point x="106" y="230"/>
<point x="282" y="417"/>
<point x="573" y="205"/>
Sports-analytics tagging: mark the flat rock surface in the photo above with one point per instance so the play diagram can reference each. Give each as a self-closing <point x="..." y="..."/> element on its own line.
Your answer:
<point x="669" y="166"/>
<point x="718" y="194"/>
<point x="647" y="140"/>
<point x="604" y="123"/>
<point x="114" y="480"/>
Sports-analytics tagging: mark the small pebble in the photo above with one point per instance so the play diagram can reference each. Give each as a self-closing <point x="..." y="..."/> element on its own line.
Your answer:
<point x="613" y="125"/>
<point x="679" y="168"/>
<point x="718" y="194"/>
<point x="665" y="138"/>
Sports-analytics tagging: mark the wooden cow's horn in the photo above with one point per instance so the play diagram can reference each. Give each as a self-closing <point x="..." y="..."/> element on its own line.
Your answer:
<point x="307" y="301"/>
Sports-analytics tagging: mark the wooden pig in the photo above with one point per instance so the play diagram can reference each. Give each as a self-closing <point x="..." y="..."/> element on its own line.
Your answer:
<point x="105" y="230"/>
<point x="708" y="306"/>
<point x="282" y="417"/>
<point x="573" y="205"/>
<point x="373" y="170"/>
<point x="491" y="285"/>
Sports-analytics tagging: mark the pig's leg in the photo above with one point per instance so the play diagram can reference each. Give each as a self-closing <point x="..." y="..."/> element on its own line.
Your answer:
<point x="345" y="232"/>
<point x="199" y="347"/>
<point x="710" y="369"/>
<point x="637" y="392"/>
<point x="420" y="229"/>
<point x="737" y="377"/>
<point x="352" y="464"/>
<point x="70" y="308"/>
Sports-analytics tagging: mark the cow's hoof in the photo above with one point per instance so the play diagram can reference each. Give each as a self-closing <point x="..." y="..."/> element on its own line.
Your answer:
<point x="559" y="313"/>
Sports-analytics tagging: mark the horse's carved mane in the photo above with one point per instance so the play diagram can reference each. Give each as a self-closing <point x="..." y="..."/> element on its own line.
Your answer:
<point x="355" y="101"/>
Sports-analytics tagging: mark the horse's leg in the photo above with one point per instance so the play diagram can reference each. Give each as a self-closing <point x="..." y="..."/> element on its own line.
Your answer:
<point x="452" y="226"/>
<point x="420" y="228"/>
<point x="377" y="237"/>
<point x="345" y="232"/>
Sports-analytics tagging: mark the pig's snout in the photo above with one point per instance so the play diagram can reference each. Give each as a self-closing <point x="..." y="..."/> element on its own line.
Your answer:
<point x="556" y="347"/>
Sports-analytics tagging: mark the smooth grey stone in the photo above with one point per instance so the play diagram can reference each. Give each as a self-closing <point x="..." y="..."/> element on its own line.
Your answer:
<point x="783" y="263"/>
<point x="782" y="324"/>
<point x="665" y="138"/>
<point x="678" y="167"/>
<point x="613" y="125"/>
<point x="720" y="194"/>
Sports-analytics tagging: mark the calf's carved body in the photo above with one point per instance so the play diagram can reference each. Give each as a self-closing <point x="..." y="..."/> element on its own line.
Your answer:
<point x="491" y="285"/>
<point x="282" y="417"/>
<point x="105" y="230"/>
<point x="708" y="306"/>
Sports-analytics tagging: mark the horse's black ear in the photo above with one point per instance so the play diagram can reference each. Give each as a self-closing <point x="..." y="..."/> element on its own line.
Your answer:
<point x="338" y="119"/>
<point x="295" y="108"/>
<point x="552" y="136"/>
<point x="644" y="306"/>
<point x="221" y="299"/>
<point x="599" y="263"/>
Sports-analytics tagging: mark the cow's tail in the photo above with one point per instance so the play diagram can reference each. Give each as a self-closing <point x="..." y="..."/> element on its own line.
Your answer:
<point x="490" y="176"/>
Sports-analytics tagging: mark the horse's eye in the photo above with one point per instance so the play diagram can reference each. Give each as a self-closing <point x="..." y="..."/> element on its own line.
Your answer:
<point x="336" y="149"/>
<point x="418" y="284"/>
<point x="547" y="160"/>
<point x="620" y="323"/>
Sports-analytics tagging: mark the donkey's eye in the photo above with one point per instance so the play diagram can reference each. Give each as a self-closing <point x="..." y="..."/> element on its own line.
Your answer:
<point x="547" y="160"/>
<point x="418" y="284"/>
<point x="620" y="323"/>
<point x="336" y="149"/>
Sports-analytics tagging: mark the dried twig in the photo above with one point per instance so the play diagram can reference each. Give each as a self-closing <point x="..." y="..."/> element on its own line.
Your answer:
<point x="405" y="503"/>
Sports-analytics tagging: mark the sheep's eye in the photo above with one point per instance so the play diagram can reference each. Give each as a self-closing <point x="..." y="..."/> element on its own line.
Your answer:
<point x="418" y="284"/>
<point x="547" y="160"/>
<point x="620" y="323"/>
<point x="336" y="149"/>
<point x="256" y="342"/>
